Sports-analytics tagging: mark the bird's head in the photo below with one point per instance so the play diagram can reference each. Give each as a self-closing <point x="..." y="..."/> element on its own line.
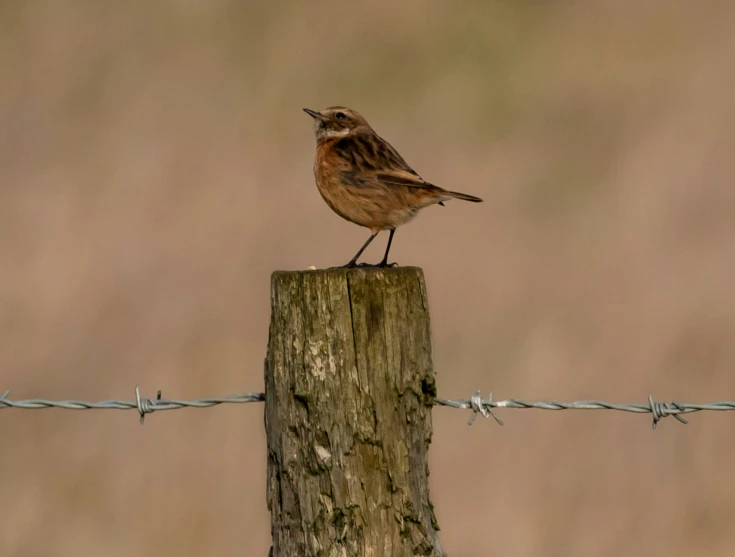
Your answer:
<point x="336" y="121"/>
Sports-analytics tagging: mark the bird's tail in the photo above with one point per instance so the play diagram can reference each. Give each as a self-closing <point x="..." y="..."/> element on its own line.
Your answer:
<point x="463" y="196"/>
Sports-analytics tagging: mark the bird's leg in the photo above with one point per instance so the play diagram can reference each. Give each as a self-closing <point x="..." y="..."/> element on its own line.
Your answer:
<point x="353" y="261"/>
<point x="384" y="262"/>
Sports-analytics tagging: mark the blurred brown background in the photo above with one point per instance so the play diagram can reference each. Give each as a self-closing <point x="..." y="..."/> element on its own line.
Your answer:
<point x="155" y="167"/>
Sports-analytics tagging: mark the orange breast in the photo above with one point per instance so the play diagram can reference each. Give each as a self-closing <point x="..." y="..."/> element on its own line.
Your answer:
<point x="372" y="204"/>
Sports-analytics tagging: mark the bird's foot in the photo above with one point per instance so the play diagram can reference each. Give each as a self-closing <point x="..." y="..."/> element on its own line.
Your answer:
<point x="355" y="264"/>
<point x="386" y="265"/>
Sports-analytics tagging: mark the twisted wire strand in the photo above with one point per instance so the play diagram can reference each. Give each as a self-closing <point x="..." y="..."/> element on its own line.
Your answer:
<point x="478" y="405"/>
<point x="659" y="410"/>
<point x="142" y="405"/>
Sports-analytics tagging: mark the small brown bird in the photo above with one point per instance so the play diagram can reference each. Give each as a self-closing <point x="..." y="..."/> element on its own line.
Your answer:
<point x="364" y="179"/>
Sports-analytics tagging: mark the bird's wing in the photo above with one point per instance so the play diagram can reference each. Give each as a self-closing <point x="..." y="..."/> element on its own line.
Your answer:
<point x="369" y="158"/>
<point x="399" y="177"/>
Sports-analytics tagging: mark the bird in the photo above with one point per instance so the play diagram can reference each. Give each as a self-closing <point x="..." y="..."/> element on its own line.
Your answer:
<point x="365" y="180"/>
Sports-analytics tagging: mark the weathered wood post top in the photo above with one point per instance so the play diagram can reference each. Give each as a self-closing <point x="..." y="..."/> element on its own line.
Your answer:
<point x="349" y="389"/>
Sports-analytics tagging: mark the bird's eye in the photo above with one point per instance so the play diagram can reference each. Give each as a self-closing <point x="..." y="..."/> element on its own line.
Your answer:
<point x="340" y="116"/>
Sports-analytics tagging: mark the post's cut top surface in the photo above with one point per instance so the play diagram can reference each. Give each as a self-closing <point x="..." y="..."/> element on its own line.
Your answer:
<point x="355" y="271"/>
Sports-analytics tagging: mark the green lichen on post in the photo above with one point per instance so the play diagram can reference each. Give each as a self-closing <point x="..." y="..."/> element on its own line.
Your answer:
<point x="349" y="388"/>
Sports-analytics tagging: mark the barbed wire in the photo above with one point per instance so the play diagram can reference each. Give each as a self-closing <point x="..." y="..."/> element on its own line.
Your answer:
<point x="476" y="404"/>
<point x="142" y="405"/>
<point x="659" y="410"/>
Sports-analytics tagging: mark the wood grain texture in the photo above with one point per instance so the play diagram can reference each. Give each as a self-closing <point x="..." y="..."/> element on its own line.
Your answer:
<point x="349" y="386"/>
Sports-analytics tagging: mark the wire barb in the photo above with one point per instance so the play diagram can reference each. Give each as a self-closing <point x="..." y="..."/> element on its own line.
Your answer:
<point x="662" y="409"/>
<point x="145" y="405"/>
<point x="483" y="407"/>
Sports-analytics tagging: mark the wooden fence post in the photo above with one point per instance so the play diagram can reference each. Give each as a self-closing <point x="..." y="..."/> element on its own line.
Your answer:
<point x="349" y="387"/>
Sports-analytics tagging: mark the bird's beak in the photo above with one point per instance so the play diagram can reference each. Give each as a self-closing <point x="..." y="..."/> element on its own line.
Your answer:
<point x="313" y="113"/>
